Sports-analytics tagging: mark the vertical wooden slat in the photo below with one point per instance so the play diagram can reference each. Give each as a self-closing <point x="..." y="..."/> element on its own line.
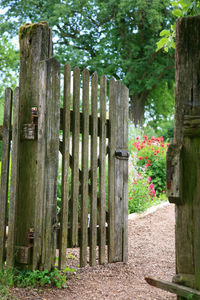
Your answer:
<point x="75" y="155"/>
<point x="93" y="201"/>
<point x="41" y="149"/>
<point x="102" y="169"/>
<point x="84" y="179"/>
<point x="124" y="103"/>
<point x="65" y="168"/>
<point x="52" y="151"/>
<point x="47" y="162"/>
<point x="121" y="173"/>
<point x="14" y="181"/>
<point x="111" y="170"/>
<point x="5" y="171"/>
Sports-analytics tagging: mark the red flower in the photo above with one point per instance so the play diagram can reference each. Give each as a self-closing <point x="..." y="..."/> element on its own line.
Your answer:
<point x="146" y="157"/>
<point x="140" y="157"/>
<point x="137" y="137"/>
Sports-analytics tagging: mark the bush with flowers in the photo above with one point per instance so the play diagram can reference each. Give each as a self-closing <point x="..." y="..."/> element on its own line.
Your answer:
<point x="147" y="172"/>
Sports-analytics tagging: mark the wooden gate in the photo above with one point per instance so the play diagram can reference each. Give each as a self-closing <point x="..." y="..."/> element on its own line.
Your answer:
<point x="93" y="211"/>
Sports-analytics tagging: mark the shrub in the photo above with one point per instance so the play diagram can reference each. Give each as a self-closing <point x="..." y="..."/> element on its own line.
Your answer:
<point x="147" y="172"/>
<point x="151" y="153"/>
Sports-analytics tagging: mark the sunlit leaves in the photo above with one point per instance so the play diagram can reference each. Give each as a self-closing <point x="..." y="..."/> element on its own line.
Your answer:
<point x="181" y="8"/>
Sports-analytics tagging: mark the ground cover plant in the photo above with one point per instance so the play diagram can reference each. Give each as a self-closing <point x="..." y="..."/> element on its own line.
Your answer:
<point x="147" y="170"/>
<point x="31" y="279"/>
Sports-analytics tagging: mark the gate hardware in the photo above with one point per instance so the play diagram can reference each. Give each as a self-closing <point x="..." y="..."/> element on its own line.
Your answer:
<point x="29" y="131"/>
<point x="122" y="154"/>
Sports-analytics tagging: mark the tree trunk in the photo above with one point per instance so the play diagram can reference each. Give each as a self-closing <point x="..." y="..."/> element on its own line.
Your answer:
<point x="137" y="108"/>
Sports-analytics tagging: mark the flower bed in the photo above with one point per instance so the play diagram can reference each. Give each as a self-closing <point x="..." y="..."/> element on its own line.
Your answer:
<point x="147" y="172"/>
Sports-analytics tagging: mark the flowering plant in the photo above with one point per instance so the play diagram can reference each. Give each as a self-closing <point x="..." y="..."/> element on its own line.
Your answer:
<point x="151" y="154"/>
<point x="147" y="172"/>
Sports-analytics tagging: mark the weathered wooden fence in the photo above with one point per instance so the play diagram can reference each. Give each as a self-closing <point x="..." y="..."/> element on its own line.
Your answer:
<point x="94" y="147"/>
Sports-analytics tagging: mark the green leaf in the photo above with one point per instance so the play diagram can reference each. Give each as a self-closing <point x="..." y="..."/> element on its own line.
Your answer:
<point x="165" y="33"/>
<point x="178" y="13"/>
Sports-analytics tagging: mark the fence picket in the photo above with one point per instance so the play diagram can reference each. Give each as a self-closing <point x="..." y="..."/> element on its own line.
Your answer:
<point x="75" y="156"/>
<point x="14" y="181"/>
<point x="124" y="103"/>
<point x="84" y="179"/>
<point x="102" y="169"/>
<point x="65" y="168"/>
<point x="111" y="168"/>
<point x="5" y="171"/>
<point x="47" y="162"/>
<point x="93" y="200"/>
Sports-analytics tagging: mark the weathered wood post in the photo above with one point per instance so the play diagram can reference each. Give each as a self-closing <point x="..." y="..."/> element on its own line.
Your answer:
<point x="118" y="173"/>
<point x="183" y="179"/>
<point x="36" y="142"/>
<point x="183" y="163"/>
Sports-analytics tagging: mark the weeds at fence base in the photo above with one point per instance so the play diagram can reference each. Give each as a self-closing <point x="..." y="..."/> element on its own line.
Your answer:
<point x="32" y="279"/>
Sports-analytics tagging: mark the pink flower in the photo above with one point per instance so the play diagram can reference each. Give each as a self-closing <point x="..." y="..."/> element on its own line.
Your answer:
<point x="151" y="186"/>
<point x="152" y="193"/>
<point x="129" y="198"/>
<point x="149" y="179"/>
<point x="137" y="137"/>
<point x="145" y="137"/>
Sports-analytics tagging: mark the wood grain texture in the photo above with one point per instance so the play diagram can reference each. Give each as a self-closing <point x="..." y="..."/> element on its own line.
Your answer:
<point x="84" y="178"/>
<point x="187" y="108"/>
<point x="75" y="155"/>
<point x="102" y="169"/>
<point x="35" y="45"/>
<point x="111" y="170"/>
<point x="184" y="292"/>
<point x="5" y="171"/>
<point x="65" y="168"/>
<point x="93" y="199"/>
<point x="119" y="117"/>
<point x="47" y="161"/>
<point x="14" y="182"/>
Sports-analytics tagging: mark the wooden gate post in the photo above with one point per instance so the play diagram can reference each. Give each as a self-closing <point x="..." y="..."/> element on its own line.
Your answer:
<point x="34" y="175"/>
<point x="118" y="173"/>
<point x="183" y="158"/>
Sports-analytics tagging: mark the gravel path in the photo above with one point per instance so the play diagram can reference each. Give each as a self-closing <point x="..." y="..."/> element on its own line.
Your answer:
<point x="151" y="253"/>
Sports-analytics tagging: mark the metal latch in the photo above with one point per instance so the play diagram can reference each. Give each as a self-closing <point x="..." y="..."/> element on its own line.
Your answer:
<point x="122" y="154"/>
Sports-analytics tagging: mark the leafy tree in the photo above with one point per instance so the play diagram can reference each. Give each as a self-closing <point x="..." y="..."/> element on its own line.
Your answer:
<point x="8" y="69"/>
<point x="115" y="37"/>
<point x="181" y="8"/>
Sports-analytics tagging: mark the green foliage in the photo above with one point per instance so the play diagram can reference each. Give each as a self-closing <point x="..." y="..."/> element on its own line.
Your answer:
<point x="147" y="170"/>
<point x="9" y="62"/>
<point x="181" y="8"/>
<point x="26" y="278"/>
<point x="160" y="106"/>
<point x="116" y="38"/>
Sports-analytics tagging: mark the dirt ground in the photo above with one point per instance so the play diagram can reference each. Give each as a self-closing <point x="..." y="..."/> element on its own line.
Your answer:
<point x="151" y="253"/>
